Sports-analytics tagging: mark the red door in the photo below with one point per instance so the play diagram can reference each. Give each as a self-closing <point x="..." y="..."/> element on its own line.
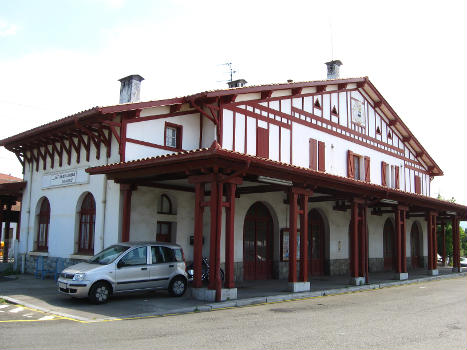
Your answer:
<point x="388" y="246"/>
<point x="415" y="247"/>
<point x="257" y="243"/>
<point x="316" y="239"/>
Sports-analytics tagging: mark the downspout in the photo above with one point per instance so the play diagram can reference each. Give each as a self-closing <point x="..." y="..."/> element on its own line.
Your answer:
<point x="103" y="202"/>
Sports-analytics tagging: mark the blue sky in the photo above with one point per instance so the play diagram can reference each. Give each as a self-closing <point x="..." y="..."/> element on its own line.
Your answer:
<point x="61" y="57"/>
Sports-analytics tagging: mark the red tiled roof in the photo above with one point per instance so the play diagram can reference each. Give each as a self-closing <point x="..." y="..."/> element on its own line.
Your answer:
<point x="4" y="178"/>
<point x="216" y="150"/>
<point x="96" y="112"/>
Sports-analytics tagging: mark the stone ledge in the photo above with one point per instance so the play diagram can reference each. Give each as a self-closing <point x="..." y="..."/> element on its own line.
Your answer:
<point x="38" y="253"/>
<point x="80" y="257"/>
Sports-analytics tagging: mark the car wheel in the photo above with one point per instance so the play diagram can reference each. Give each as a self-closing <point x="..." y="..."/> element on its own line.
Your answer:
<point x="99" y="293"/>
<point x="177" y="287"/>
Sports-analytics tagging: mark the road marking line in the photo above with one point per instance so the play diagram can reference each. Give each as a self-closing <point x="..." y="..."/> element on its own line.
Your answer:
<point x="3" y="306"/>
<point x="18" y="309"/>
<point x="28" y="315"/>
<point x="45" y="318"/>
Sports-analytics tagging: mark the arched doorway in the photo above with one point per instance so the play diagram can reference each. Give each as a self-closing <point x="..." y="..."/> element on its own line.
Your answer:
<point x="316" y="238"/>
<point x="415" y="246"/>
<point x="388" y="246"/>
<point x="257" y="243"/>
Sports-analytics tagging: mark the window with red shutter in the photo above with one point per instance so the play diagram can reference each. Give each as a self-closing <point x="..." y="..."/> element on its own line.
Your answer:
<point x="262" y="142"/>
<point x="397" y="177"/>
<point x="313" y="154"/>
<point x="367" y="169"/>
<point x="321" y="156"/>
<point x="350" y="165"/>
<point x="383" y="174"/>
<point x="418" y="183"/>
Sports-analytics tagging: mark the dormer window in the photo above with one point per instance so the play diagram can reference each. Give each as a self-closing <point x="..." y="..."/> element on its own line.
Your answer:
<point x="173" y="136"/>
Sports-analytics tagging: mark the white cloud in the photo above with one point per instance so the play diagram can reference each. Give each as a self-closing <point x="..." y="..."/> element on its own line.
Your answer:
<point x="7" y="29"/>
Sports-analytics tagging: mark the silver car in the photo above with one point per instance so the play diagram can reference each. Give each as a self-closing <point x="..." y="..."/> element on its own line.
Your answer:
<point x="126" y="267"/>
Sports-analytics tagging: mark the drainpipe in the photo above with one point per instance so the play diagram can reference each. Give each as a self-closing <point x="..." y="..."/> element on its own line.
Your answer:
<point x="103" y="204"/>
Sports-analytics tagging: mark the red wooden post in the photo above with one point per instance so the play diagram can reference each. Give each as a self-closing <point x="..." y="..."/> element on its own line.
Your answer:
<point x="354" y="240"/>
<point x="435" y="242"/>
<point x="430" y="240"/>
<point x="213" y="236"/>
<point x="443" y="232"/>
<point x="456" y="264"/>
<point x="398" y="241"/>
<point x="218" y="228"/>
<point x="402" y="214"/>
<point x="198" y="236"/>
<point x="293" y="237"/>
<point x="127" y="192"/>
<point x="362" y="239"/>
<point x="229" y="237"/>
<point x="304" y="239"/>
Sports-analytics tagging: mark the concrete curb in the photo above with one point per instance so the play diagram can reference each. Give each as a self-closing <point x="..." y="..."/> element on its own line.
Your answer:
<point x="246" y="302"/>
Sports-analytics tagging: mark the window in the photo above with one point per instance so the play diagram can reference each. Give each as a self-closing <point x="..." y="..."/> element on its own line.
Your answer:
<point x="173" y="135"/>
<point x="164" y="230"/>
<point x="135" y="257"/>
<point x="165" y="206"/>
<point x="161" y="254"/>
<point x="358" y="167"/>
<point x="87" y="220"/>
<point x="317" y="155"/>
<point x="390" y="175"/>
<point x="43" y="229"/>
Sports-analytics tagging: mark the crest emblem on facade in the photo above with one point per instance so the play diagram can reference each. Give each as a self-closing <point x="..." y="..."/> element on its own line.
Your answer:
<point x="358" y="115"/>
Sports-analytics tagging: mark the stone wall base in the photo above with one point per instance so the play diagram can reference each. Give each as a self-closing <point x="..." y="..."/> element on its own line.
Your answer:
<point x="297" y="287"/>
<point x="401" y="276"/>
<point x="205" y="294"/>
<point x="357" y="281"/>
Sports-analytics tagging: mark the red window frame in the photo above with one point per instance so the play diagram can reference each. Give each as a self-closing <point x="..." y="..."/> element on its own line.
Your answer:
<point x="43" y="227"/>
<point x="160" y="237"/>
<point x="87" y="224"/>
<point x="178" y="135"/>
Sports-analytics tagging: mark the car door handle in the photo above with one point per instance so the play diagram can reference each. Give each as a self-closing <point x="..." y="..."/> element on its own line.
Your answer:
<point x="171" y="265"/>
<point x="144" y="268"/>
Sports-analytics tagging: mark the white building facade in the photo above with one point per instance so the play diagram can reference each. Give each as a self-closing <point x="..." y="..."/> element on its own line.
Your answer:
<point x="249" y="177"/>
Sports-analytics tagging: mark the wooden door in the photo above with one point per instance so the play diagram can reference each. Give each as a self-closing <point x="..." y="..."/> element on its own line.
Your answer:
<point x="415" y="247"/>
<point x="257" y="243"/>
<point x="316" y="246"/>
<point x="389" y="246"/>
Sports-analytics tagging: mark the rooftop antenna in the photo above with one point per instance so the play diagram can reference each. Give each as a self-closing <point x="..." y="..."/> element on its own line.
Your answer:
<point x="332" y="41"/>
<point x="231" y="71"/>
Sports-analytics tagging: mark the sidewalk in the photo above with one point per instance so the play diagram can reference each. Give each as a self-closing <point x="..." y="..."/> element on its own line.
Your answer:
<point x="42" y="295"/>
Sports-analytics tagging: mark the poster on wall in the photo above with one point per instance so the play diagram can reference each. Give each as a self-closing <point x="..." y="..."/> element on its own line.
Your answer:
<point x="285" y="245"/>
<point x="358" y="115"/>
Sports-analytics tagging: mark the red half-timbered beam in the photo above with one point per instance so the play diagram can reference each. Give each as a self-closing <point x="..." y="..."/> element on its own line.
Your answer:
<point x="266" y="94"/>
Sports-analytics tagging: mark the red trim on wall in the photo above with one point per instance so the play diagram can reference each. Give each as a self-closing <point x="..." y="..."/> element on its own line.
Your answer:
<point x="162" y="116"/>
<point x="261" y="117"/>
<point x="154" y="145"/>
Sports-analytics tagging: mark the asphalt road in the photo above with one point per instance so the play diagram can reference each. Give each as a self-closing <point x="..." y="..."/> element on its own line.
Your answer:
<point x="429" y="315"/>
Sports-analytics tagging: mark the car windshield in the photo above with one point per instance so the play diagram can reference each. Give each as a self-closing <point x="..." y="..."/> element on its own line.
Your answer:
<point x="108" y="255"/>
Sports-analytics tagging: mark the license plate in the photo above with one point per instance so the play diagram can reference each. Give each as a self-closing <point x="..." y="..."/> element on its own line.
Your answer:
<point x="62" y="285"/>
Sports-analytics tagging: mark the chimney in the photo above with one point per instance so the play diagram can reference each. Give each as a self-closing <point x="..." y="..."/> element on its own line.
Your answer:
<point x="237" y="83"/>
<point x="333" y="69"/>
<point x="129" y="90"/>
